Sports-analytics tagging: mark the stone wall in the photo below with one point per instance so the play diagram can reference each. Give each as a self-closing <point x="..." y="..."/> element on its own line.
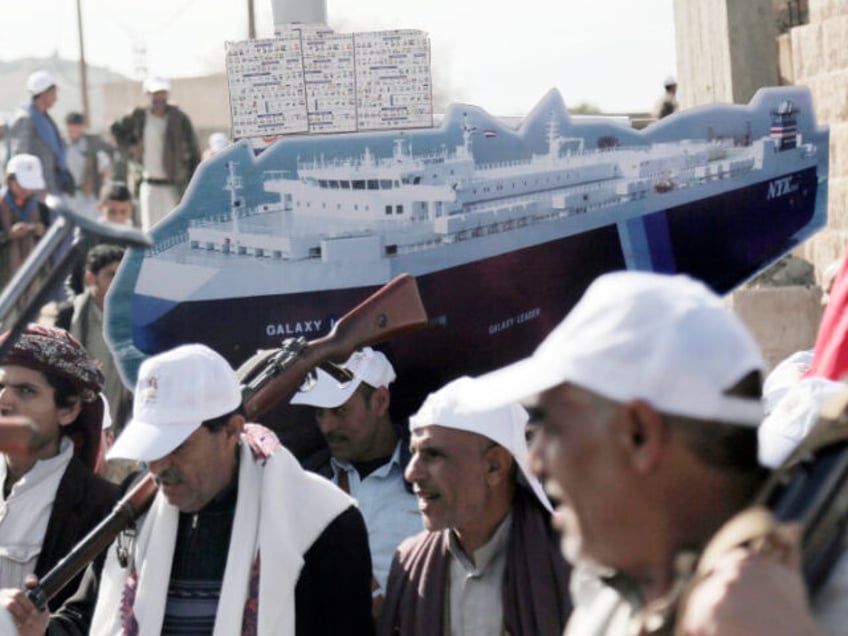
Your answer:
<point x="782" y="319"/>
<point x="725" y="50"/>
<point x="816" y="55"/>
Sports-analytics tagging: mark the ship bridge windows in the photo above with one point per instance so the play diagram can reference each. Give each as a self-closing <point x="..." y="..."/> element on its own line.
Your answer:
<point x="372" y="184"/>
<point x="358" y="184"/>
<point x="385" y="184"/>
<point x="334" y="185"/>
<point x="322" y="183"/>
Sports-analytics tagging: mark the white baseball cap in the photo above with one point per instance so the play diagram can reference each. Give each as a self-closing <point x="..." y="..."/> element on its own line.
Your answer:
<point x="27" y="171"/>
<point x="365" y="365"/>
<point x="176" y="392"/>
<point x="218" y="141"/>
<point x="664" y="339"/>
<point x="40" y="81"/>
<point x="794" y="415"/>
<point x="504" y="425"/>
<point x="784" y="376"/>
<point x="155" y="84"/>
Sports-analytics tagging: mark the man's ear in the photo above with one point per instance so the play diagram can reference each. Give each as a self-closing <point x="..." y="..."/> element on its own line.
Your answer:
<point x="68" y="414"/>
<point x="380" y="400"/>
<point x="644" y="435"/>
<point x="497" y="462"/>
<point x="234" y="427"/>
<point x="89" y="279"/>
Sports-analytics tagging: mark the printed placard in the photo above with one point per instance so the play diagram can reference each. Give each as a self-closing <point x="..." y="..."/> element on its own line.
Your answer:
<point x="311" y="79"/>
<point x="267" y="92"/>
<point x="393" y="82"/>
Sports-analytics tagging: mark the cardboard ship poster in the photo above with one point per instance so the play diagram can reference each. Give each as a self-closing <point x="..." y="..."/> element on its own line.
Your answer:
<point x="503" y="227"/>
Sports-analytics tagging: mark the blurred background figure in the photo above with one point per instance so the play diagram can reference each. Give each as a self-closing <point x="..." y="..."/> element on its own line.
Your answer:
<point x="162" y="139"/>
<point x="667" y="103"/>
<point x="23" y="220"/>
<point x="34" y="132"/>
<point x="217" y="142"/>
<point x="89" y="160"/>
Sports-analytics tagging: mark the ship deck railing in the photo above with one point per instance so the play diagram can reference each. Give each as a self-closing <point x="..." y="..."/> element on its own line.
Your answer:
<point x="171" y="241"/>
<point x="375" y="162"/>
<point x="535" y="215"/>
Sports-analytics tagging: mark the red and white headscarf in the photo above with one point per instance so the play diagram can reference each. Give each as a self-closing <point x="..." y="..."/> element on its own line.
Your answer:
<point x="55" y="352"/>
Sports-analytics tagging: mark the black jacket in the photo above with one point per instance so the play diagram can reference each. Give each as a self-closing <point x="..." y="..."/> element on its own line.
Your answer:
<point x="82" y="501"/>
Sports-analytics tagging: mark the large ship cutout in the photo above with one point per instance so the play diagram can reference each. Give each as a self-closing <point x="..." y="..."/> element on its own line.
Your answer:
<point x="503" y="228"/>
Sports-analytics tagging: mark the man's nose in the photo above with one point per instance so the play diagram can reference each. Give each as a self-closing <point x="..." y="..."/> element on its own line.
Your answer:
<point x="413" y="470"/>
<point x="158" y="466"/>
<point x="5" y="396"/>
<point x="536" y="455"/>
<point x="327" y="422"/>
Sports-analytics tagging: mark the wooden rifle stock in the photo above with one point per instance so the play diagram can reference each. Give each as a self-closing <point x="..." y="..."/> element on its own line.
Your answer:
<point x="126" y="511"/>
<point x="393" y="310"/>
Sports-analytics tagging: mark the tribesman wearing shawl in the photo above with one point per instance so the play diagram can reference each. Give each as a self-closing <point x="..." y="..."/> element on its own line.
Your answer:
<point x="239" y="539"/>
<point x="51" y="497"/>
<point x="488" y="563"/>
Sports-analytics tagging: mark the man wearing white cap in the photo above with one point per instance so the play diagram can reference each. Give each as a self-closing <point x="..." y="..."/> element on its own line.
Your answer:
<point x="239" y="539"/>
<point x="162" y="139"/>
<point x="34" y="132"/>
<point x="649" y="392"/>
<point x="23" y="216"/>
<point x="368" y="453"/>
<point x="488" y="562"/>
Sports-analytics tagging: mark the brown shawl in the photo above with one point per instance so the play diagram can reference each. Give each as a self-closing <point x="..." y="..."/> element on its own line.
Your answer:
<point x="535" y="586"/>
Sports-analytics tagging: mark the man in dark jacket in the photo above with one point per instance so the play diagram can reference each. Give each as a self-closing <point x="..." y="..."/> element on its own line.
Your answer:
<point x="51" y="498"/>
<point x="162" y="139"/>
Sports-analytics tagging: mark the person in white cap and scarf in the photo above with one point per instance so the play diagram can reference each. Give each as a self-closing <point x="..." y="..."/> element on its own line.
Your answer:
<point x="34" y="132"/>
<point x="239" y="539"/>
<point x="488" y="561"/>
<point x="162" y="139"/>
<point x="649" y="392"/>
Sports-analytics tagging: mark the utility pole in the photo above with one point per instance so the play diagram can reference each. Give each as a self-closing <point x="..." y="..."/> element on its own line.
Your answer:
<point x="251" y="20"/>
<point x="83" y="72"/>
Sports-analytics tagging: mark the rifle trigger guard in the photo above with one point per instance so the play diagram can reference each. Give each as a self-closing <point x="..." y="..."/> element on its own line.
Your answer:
<point x="289" y="351"/>
<point x="124" y="542"/>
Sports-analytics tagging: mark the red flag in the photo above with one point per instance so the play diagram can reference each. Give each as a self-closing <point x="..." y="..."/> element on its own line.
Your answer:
<point x="830" y="357"/>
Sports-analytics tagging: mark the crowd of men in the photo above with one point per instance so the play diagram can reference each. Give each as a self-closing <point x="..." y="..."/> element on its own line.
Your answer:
<point x="644" y="408"/>
<point x="646" y="400"/>
<point x="135" y="178"/>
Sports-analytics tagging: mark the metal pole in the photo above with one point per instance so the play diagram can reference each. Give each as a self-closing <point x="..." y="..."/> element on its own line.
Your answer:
<point x="298" y="12"/>
<point x="83" y="73"/>
<point x="251" y="20"/>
